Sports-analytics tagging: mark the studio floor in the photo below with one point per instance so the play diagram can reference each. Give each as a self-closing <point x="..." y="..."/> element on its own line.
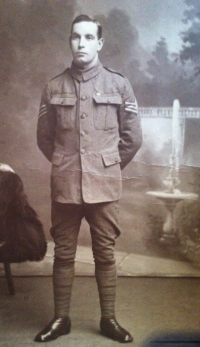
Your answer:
<point x="148" y="306"/>
<point x="145" y="306"/>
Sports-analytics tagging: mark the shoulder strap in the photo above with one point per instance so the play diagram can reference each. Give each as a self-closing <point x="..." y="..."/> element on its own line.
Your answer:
<point x="113" y="71"/>
<point x="62" y="73"/>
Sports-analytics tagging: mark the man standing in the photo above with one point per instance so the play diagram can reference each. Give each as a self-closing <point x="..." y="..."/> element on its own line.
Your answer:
<point x="89" y="129"/>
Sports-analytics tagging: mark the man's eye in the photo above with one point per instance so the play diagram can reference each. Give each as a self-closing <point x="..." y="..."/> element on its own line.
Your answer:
<point x="90" y="37"/>
<point x="75" y="37"/>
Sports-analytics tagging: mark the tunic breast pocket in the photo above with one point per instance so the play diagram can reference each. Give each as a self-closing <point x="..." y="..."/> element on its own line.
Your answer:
<point x="105" y="111"/>
<point x="65" y="111"/>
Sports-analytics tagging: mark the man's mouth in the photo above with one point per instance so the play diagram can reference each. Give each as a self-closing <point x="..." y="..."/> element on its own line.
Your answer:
<point x="81" y="53"/>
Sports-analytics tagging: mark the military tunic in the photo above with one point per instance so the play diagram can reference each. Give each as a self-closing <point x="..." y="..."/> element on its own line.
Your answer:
<point x="89" y="129"/>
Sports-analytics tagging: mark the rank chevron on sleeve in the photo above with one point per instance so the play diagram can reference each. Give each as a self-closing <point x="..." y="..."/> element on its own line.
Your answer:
<point x="43" y="110"/>
<point x="131" y="107"/>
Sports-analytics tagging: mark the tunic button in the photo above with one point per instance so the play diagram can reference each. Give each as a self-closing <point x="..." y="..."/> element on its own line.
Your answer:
<point x="62" y="102"/>
<point x="82" y="133"/>
<point x="83" y="116"/>
<point x="116" y="160"/>
<point x="82" y="151"/>
<point x="83" y="98"/>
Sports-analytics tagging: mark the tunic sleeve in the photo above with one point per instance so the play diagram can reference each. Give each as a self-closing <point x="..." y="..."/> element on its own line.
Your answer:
<point x="46" y="125"/>
<point x="129" y="126"/>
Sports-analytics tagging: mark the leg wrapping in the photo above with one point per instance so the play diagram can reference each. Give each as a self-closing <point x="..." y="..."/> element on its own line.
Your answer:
<point x="63" y="278"/>
<point x="106" y="278"/>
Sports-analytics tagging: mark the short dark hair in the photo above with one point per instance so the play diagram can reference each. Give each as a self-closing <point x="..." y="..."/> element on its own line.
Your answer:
<point x="85" y="18"/>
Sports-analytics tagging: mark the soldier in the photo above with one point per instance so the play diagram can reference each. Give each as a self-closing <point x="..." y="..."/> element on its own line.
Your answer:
<point x="89" y="130"/>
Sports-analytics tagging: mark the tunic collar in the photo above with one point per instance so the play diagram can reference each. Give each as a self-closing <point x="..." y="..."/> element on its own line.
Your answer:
<point x="85" y="75"/>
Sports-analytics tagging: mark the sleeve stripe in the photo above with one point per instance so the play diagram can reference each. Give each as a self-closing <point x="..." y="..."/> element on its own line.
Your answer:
<point x="42" y="107"/>
<point x="42" y="113"/>
<point x="43" y="110"/>
<point x="131" y="106"/>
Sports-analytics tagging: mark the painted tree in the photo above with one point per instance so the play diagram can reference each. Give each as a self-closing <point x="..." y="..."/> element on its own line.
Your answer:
<point x="160" y="66"/>
<point x="191" y="37"/>
<point x="161" y="72"/>
<point x="121" y="39"/>
<point x="122" y="50"/>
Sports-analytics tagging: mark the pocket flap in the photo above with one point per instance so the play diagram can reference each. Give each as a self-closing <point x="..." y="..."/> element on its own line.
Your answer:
<point x="57" y="158"/>
<point x="67" y="101"/>
<point x="111" y="158"/>
<point x="108" y="99"/>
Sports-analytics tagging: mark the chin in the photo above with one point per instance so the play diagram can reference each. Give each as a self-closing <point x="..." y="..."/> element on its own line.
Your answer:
<point x="80" y="62"/>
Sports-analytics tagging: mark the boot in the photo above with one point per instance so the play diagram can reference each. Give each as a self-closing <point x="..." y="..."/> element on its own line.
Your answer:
<point x="56" y="328"/>
<point x="110" y="328"/>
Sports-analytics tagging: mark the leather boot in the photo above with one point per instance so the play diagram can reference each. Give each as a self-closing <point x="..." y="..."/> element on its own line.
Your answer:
<point x="111" y="328"/>
<point x="56" y="328"/>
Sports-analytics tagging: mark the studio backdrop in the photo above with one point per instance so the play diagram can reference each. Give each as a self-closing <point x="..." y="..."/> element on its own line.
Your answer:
<point x="148" y="42"/>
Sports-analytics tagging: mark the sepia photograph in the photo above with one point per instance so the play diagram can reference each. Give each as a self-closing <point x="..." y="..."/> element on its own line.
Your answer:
<point x="99" y="173"/>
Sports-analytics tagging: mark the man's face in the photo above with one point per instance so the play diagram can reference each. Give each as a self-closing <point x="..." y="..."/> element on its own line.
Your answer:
<point x="85" y="44"/>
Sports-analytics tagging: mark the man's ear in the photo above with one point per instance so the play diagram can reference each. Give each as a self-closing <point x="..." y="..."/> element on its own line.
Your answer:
<point x="101" y="43"/>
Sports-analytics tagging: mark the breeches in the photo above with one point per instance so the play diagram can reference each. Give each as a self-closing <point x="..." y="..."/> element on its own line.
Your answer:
<point x="103" y="221"/>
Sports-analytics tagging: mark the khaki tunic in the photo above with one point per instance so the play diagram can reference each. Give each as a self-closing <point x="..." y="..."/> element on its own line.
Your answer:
<point x="89" y="129"/>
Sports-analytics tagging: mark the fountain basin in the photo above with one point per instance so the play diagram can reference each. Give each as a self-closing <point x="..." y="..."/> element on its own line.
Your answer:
<point x="176" y="195"/>
<point x="169" y="235"/>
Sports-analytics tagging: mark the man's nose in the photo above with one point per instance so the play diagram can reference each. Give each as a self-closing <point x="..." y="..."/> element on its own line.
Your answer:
<point x="81" y="42"/>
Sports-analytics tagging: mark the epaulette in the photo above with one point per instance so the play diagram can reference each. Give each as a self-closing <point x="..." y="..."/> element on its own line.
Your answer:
<point x="113" y="71"/>
<point x="60" y="74"/>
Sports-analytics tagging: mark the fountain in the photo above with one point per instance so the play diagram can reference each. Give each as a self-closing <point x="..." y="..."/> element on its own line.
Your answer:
<point x="171" y="196"/>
